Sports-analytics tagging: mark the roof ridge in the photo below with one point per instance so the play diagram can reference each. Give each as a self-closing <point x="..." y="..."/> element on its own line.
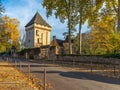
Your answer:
<point x="37" y="19"/>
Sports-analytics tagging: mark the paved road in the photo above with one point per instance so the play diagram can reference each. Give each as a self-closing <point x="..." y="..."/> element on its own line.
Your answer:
<point x="66" y="79"/>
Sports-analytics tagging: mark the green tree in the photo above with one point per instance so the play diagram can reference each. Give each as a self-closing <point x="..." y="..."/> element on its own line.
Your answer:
<point x="80" y="11"/>
<point x="87" y="10"/>
<point x="64" y="10"/>
<point x="107" y="8"/>
<point x="86" y="40"/>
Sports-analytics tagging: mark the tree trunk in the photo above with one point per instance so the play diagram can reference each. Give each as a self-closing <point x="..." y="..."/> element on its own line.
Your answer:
<point x="118" y="27"/>
<point x="80" y="33"/>
<point x="69" y="29"/>
<point x="69" y="36"/>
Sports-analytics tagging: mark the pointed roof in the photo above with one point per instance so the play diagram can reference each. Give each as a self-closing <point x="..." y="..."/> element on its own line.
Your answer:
<point x="57" y="42"/>
<point x="37" y="19"/>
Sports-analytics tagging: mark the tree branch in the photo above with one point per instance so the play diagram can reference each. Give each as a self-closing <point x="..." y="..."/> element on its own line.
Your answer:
<point x="114" y="6"/>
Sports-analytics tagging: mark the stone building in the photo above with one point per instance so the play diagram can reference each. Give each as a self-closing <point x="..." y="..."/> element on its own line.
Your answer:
<point x="37" y="32"/>
<point x="38" y="43"/>
<point x="58" y="44"/>
<point x="62" y="46"/>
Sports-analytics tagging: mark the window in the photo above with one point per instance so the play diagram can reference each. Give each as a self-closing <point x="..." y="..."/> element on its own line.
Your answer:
<point x="37" y="32"/>
<point x="39" y="40"/>
<point x="46" y="38"/>
<point x="42" y="35"/>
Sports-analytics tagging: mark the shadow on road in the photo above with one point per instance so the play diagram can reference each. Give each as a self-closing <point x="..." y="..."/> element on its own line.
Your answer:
<point x="88" y="76"/>
<point x="74" y="75"/>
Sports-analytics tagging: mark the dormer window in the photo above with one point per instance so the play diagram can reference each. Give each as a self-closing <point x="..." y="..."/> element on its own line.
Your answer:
<point x="37" y="32"/>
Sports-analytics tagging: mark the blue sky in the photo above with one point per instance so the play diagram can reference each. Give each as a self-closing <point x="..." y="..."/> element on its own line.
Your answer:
<point x="24" y="10"/>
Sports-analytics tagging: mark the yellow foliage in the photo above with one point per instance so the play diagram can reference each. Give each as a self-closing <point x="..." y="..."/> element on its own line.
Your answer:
<point x="11" y="26"/>
<point x="103" y="37"/>
<point x="10" y="31"/>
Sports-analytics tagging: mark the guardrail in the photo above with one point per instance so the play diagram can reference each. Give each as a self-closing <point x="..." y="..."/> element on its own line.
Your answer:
<point x="105" y="67"/>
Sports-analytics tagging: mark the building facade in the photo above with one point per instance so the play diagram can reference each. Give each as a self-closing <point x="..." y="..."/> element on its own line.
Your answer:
<point x="37" y="32"/>
<point x="62" y="46"/>
<point x="38" y="43"/>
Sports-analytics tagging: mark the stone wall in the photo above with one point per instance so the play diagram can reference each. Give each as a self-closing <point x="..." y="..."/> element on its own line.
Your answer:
<point x="98" y="59"/>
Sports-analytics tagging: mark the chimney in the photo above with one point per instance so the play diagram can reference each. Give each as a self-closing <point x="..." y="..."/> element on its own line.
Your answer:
<point x="54" y="38"/>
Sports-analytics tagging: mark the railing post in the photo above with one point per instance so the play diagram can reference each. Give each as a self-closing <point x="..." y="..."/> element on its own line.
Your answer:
<point x="29" y="71"/>
<point x="119" y="69"/>
<point x="73" y="63"/>
<point x="7" y="60"/>
<point x="20" y="65"/>
<point x="114" y="70"/>
<point x="91" y="66"/>
<point x="44" y="81"/>
<point x="15" y="64"/>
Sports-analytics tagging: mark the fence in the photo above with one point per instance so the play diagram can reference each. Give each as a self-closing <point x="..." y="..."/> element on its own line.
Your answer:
<point x="93" y="64"/>
<point x="26" y="69"/>
<point x="96" y="65"/>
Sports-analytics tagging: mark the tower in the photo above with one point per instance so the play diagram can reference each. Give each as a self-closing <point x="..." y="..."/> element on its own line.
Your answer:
<point x="37" y="32"/>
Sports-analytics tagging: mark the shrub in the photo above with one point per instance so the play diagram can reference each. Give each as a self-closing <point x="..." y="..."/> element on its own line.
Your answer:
<point x="31" y="56"/>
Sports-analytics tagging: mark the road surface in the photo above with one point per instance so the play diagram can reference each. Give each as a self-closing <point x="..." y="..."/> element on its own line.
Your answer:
<point x="66" y="79"/>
